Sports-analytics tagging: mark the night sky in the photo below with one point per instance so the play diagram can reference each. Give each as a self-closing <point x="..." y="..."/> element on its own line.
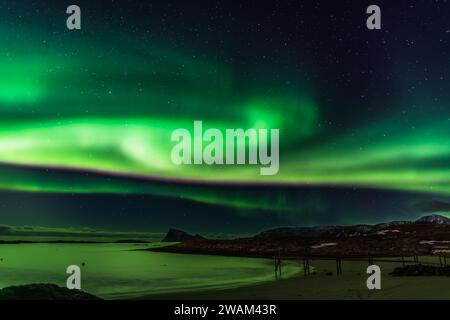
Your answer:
<point x="86" y="116"/>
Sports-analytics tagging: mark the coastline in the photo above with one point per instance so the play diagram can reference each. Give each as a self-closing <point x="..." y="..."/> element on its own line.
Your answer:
<point x="323" y="283"/>
<point x="152" y="273"/>
<point x="350" y="285"/>
<point x="192" y="267"/>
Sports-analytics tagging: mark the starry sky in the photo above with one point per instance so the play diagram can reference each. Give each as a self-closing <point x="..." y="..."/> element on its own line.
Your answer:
<point x="86" y="116"/>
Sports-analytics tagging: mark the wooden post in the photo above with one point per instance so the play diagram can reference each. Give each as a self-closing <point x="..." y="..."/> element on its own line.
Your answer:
<point x="307" y="262"/>
<point x="277" y="261"/>
<point x="279" y="268"/>
<point x="338" y="266"/>
<point x="306" y="270"/>
<point x="275" y="265"/>
<point x="340" y="270"/>
<point x="403" y="261"/>
<point x="304" y="266"/>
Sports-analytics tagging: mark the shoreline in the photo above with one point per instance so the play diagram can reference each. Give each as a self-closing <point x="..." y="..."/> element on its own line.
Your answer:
<point x="323" y="283"/>
<point x="350" y="285"/>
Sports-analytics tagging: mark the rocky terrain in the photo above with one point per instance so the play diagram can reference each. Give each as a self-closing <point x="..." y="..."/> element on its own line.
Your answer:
<point x="175" y="235"/>
<point x="429" y="235"/>
<point x="43" y="292"/>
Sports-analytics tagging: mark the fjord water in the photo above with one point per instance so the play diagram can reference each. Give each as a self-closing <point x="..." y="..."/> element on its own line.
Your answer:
<point x="114" y="271"/>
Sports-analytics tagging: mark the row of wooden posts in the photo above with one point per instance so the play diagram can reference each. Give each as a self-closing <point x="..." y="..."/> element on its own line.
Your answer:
<point x="443" y="261"/>
<point x="307" y="270"/>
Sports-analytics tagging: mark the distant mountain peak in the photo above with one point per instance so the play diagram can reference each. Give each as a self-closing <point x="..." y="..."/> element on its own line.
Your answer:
<point x="175" y="235"/>
<point x="434" y="218"/>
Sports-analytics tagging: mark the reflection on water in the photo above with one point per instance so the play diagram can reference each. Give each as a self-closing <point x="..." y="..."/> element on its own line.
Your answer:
<point x="119" y="271"/>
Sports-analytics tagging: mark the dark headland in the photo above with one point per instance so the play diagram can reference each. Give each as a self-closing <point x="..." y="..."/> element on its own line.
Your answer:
<point x="430" y="235"/>
<point x="175" y="235"/>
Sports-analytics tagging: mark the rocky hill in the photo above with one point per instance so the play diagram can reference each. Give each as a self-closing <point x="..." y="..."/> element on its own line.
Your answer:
<point x="346" y="231"/>
<point x="175" y="235"/>
<point x="434" y="218"/>
<point x="428" y="236"/>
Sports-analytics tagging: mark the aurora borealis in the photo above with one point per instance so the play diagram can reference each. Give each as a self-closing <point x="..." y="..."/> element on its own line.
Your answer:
<point x="91" y="112"/>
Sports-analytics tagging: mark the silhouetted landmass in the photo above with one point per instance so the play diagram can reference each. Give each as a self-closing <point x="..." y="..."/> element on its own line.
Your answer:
<point x="174" y="235"/>
<point x="43" y="292"/>
<point x="428" y="236"/>
<point x="344" y="231"/>
<point x="434" y="218"/>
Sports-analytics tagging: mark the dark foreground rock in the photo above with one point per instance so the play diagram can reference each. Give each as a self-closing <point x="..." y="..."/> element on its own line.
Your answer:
<point x="421" y="270"/>
<point x="43" y="292"/>
<point x="175" y="235"/>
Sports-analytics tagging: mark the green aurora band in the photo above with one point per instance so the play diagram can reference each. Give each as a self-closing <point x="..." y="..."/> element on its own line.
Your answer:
<point x="88" y="107"/>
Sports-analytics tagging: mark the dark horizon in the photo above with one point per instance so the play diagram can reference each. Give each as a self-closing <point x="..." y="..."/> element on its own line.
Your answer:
<point x="156" y="214"/>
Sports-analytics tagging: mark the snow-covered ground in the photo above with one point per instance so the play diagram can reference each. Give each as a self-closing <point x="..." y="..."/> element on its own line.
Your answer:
<point x="323" y="245"/>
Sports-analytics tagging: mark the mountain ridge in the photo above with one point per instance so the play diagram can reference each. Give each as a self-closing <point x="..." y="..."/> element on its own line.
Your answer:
<point x="342" y="231"/>
<point x="176" y="235"/>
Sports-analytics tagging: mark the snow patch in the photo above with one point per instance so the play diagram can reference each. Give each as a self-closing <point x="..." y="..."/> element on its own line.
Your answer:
<point x="322" y="245"/>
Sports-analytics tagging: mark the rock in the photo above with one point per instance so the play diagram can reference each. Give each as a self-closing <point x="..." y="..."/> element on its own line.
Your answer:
<point x="175" y="235"/>
<point x="43" y="292"/>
